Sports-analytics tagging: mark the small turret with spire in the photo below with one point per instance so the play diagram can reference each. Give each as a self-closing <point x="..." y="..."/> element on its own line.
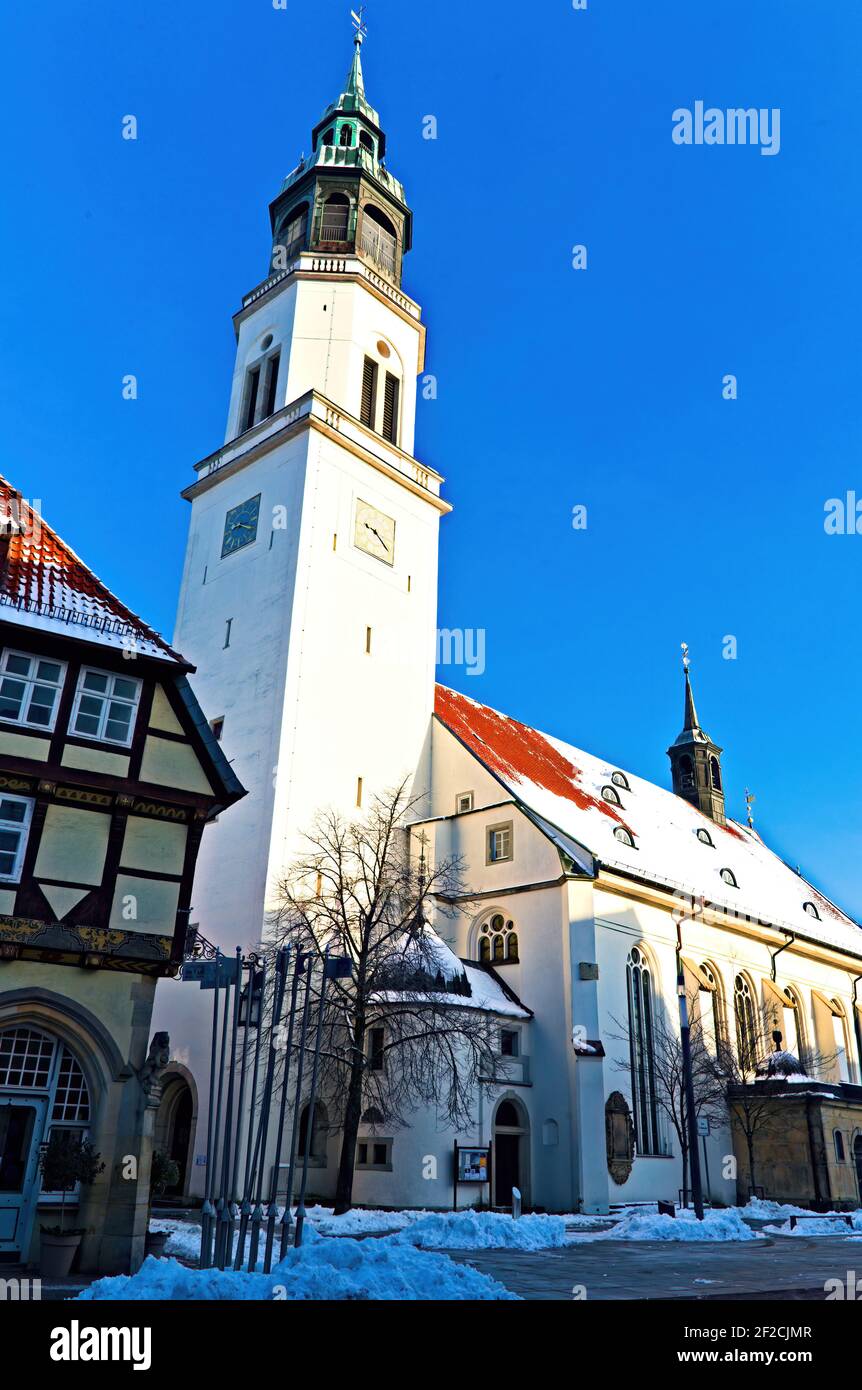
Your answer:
<point x="695" y="761"/>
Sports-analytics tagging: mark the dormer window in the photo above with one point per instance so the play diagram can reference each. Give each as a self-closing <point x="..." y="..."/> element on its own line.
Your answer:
<point x="729" y="877"/>
<point x="619" y="779"/>
<point x="811" y="910"/>
<point x="705" y="837"/>
<point x="624" y="836"/>
<point x="612" y="795"/>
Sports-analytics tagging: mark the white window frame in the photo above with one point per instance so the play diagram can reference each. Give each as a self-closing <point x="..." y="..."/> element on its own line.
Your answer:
<point x="30" y="681"/>
<point x="502" y="828"/>
<point x="80" y="693"/>
<point x="24" y="827"/>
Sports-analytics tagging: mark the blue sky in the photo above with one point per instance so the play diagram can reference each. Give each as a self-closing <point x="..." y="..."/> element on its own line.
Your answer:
<point x="556" y="387"/>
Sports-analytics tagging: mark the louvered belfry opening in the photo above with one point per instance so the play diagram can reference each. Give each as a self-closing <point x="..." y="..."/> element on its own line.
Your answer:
<point x="390" y="408"/>
<point x="368" y="408"/>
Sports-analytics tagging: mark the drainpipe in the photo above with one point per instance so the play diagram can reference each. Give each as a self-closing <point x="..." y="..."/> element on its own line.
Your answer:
<point x="857" y="1028"/>
<point x="785" y="947"/>
<point x="688" y="1079"/>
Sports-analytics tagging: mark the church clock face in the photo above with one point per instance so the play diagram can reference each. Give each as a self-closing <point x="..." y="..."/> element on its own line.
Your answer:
<point x="374" y="532"/>
<point x="240" y="526"/>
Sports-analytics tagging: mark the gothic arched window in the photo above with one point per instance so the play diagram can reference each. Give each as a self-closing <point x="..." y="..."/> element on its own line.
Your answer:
<point x="746" y="1024"/>
<point x="498" y="940"/>
<point x="642" y="1051"/>
<point x="715" y="773"/>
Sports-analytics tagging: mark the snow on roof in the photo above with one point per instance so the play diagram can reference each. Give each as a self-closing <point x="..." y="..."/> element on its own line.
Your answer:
<point x="563" y="785"/>
<point x="44" y="585"/>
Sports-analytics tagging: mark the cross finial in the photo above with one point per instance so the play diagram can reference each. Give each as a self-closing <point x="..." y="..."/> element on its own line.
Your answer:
<point x="359" y="25"/>
<point x="749" y="802"/>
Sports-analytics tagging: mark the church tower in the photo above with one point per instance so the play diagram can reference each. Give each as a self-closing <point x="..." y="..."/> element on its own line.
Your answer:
<point x="695" y="761"/>
<point x="309" y="593"/>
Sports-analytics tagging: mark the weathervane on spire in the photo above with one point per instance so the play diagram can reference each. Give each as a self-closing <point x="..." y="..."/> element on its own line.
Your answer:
<point x="359" y="25"/>
<point x="686" y="660"/>
<point x="749" y="802"/>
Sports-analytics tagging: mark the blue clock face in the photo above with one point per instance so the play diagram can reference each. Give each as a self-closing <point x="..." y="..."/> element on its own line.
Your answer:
<point x="240" y="527"/>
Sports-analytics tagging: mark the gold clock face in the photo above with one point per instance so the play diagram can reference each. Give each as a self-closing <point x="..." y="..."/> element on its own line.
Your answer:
<point x="374" y="532"/>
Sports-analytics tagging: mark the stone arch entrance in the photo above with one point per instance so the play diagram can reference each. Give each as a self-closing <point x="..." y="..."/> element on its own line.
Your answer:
<point x="511" y="1152"/>
<point x="176" y="1123"/>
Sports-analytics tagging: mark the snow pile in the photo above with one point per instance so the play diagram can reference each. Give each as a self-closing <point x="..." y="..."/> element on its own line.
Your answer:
<point x="322" y="1269"/>
<point x="826" y="1225"/>
<point x="487" y="1230"/>
<point x="716" y="1225"/>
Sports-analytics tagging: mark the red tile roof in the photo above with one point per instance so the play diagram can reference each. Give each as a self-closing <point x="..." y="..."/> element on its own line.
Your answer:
<point x="563" y="786"/>
<point x="43" y="584"/>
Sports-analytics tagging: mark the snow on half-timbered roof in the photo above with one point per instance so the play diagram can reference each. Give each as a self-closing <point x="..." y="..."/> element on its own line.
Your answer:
<point x="45" y="585"/>
<point x="563" y="787"/>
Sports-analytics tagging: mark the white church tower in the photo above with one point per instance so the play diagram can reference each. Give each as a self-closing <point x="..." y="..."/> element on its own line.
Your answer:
<point x="308" y="601"/>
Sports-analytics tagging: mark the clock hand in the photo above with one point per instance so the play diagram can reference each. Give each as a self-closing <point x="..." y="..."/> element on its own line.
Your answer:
<point x="379" y="537"/>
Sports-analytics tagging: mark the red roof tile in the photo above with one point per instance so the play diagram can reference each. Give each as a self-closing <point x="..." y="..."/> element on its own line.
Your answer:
<point x="43" y="584"/>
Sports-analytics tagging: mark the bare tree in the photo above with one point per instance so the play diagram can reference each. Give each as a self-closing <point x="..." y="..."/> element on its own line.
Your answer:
<point x="401" y="1031"/>
<point x="668" y="1078"/>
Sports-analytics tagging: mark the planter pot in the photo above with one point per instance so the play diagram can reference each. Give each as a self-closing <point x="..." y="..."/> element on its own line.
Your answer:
<point x="155" y="1243"/>
<point x="56" y="1254"/>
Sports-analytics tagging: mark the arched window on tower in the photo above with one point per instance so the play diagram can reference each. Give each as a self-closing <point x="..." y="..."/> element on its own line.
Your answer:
<point x="366" y="141"/>
<point x="686" y="772"/>
<point x="379" y="239"/>
<point x="642" y="1051"/>
<point x="336" y="212"/>
<point x="715" y="773"/>
<point x="746" y="1024"/>
<point x="345" y="139"/>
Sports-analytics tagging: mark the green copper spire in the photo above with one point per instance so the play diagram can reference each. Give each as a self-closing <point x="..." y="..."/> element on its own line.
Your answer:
<point x="353" y="99"/>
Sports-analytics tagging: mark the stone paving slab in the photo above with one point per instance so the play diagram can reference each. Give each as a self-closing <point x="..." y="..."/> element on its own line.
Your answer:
<point x="769" y="1269"/>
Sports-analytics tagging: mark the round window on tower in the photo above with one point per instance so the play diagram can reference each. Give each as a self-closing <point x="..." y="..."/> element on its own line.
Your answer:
<point x="384" y="349"/>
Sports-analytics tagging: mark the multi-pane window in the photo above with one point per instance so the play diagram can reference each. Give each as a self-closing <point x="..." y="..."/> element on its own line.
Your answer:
<point x="746" y="1024"/>
<point x="499" y="843"/>
<point x="498" y="940"/>
<point x="15" y="816"/>
<point x="105" y="706"/>
<point x="642" y="1052"/>
<point x="30" y="689"/>
<point x="25" y="1058"/>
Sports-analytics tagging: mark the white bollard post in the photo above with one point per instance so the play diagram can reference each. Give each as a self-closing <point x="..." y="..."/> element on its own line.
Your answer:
<point x="516" y="1203"/>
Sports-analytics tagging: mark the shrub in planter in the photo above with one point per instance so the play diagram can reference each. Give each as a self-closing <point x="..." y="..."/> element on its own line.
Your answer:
<point x="64" y="1162"/>
<point x="164" y="1173"/>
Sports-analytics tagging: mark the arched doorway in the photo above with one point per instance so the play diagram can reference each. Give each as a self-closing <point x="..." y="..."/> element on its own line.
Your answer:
<point x="175" y="1128"/>
<point x="511" y="1152"/>
<point x="857" y="1155"/>
<point x="42" y="1088"/>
